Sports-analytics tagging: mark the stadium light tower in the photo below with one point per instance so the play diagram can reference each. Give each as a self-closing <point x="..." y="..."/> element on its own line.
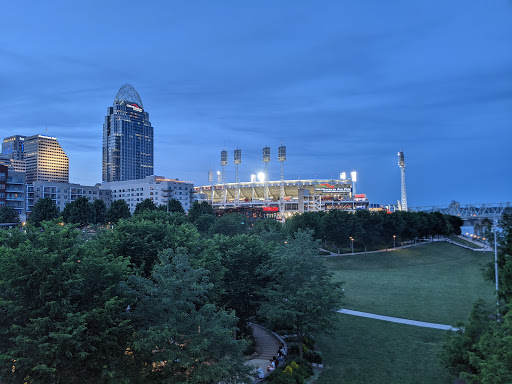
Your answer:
<point x="238" y="160"/>
<point x="266" y="160"/>
<point x="223" y="163"/>
<point x="281" y="157"/>
<point x="401" y="164"/>
<point x="210" y="180"/>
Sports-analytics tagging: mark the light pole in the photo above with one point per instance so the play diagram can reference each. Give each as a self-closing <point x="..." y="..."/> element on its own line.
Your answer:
<point x="352" y="244"/>
<point x="495" y="227"/>
<point x="394" y="241"/>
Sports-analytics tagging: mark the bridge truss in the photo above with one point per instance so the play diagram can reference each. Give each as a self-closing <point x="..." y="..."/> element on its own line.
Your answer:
<point x="468" y="211"/>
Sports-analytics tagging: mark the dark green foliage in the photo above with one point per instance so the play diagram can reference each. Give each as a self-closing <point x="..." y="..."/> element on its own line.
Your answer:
<point x="141" y="240"/>
<point x="231" y="224"/>
<point x="307" y="220"/>
<point x="373" y="230"/>
<point x="204" y="222"/>
<point x="79" y="212"/>
<point x="62" y="320"/>
<point x="118" y="210"/>
<point x="242" y="256"/>
<point x="198" y="209"/>
<point x="9" y="215"/>
<point x="300" y="291"/>
<point x="176" y="324"/>
<point x="173" y="206"/>
<point x="100" y="211"/>
<point x="145" y="205"/>
<point x="482" y="353"/>
<point x="44" y="209"/>
<point x="269" y="230"/>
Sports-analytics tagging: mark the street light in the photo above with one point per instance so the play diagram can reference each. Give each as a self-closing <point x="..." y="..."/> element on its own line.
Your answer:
<point x="352" y="244"/>
<point x="394" y="241"/>
<point x="495" y="228"/>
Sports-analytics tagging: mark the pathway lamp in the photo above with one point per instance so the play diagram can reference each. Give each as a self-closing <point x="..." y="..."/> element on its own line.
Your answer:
<point x="352" y="244"/>
<point x="394" y="241"/>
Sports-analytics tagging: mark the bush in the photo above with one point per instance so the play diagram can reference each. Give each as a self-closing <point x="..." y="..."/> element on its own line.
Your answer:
<point x="313" y="357"/>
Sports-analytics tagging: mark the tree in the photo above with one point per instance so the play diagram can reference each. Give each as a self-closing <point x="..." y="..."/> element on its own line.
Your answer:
<point x="62" y="315"/>
<point x="459" y="345"/>
<point x="142" y="240"/>
<point x="301" y="292"/>
<point x="100" y="211"/>
<point x="204" y="222"/>
<point x="118" y="210"/>
<point x="173" y="206"/>
<point x="44" y="209"/>
<point x="179" y="337"/>
<point x="242" y="257"/>
<point x="145" y="205"/>
<point x="198" y="209"/>
<point x="230" y="224"/>
<point x="79" y="212"/>
<point x="9" y="215"/>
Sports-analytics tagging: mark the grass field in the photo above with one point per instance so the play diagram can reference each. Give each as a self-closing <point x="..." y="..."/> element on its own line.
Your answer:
<point x="433" y="282"/>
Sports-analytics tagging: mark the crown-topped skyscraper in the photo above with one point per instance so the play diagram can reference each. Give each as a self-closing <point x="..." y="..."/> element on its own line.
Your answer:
<point x="127" y="138"/>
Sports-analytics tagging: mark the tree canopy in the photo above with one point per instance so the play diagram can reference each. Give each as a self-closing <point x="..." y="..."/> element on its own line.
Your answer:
<point x="300" y="292"/>
<point x="9" y="215"/>
<point x="44" y="209"/>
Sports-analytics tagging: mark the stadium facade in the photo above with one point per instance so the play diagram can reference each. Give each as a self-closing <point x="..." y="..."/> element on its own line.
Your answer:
<point x="300" y="196"/>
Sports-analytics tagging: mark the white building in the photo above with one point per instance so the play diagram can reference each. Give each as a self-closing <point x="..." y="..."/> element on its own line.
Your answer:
<point x="63" y="193"/>
<point x="156" y="188"/>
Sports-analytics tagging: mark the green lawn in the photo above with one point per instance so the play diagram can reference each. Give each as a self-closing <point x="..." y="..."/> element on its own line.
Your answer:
<point x="372" y="351"/>
<point x="433" y="282"/>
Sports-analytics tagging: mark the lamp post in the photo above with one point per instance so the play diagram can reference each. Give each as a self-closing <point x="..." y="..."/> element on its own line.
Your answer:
<point x="495" y="228"/>
<point x="394" y="241"/>
<point x="352" y="244"/>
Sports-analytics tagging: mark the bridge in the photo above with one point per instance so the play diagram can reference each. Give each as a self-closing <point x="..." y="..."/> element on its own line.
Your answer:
<point x="470" y="213"/>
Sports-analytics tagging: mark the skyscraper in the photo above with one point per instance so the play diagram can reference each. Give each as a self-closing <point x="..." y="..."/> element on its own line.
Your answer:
<point x="45" y="159"/>
<point x="127" y="138"/>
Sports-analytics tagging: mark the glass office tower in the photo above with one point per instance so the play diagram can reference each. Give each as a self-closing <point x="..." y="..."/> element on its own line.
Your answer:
<point x="127" y="138"/>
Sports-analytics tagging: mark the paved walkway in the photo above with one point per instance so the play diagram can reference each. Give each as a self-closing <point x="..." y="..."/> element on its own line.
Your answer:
<point x="399" y="320"/>
<point x="267" y="345"/>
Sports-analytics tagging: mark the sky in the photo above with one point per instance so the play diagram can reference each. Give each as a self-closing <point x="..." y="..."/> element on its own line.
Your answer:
<point x="344" y="85"/>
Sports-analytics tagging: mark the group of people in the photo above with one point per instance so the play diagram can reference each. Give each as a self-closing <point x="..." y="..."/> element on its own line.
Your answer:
<point x="274" y="361"/>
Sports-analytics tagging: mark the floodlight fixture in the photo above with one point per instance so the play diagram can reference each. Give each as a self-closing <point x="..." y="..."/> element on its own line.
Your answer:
<point x="224" y="157"/>
<point x="261" y="176"/>
<point x="238" y="156"/>
<point x="353" y="176"/>
<point x="266" y="154"/>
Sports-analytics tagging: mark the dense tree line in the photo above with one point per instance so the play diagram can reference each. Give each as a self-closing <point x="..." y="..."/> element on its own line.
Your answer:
<point x="160" y="297"/>
<point x="481" y="352"/>
<point x="372" y="230"/>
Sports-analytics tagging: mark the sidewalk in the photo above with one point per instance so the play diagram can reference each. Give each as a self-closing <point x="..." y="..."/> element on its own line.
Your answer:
<point x="399" y="320"/>
<point x="267" y="345"/>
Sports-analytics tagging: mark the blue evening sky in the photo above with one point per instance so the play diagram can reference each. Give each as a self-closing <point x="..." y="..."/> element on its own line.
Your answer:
<point x="344" y="85"/>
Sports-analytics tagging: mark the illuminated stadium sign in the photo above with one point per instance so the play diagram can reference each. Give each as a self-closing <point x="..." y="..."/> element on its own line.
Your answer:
<point x="328" y="188"/>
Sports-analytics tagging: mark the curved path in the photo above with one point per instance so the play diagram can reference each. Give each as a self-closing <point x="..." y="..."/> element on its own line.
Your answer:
<point x="267" y="345"/>
<point x="399" y="320"/>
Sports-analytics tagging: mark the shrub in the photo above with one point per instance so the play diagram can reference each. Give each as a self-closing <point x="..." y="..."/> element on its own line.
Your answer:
<point x="313" y="357"/>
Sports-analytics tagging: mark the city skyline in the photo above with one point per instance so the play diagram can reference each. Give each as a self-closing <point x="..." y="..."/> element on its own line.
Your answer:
<point x="344" y="87"/>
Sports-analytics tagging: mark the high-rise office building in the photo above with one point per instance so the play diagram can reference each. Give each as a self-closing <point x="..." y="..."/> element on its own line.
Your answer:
<point x="12" y="147"/>
<point x="127" y="139"/>
<point x="45" y="159"/>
